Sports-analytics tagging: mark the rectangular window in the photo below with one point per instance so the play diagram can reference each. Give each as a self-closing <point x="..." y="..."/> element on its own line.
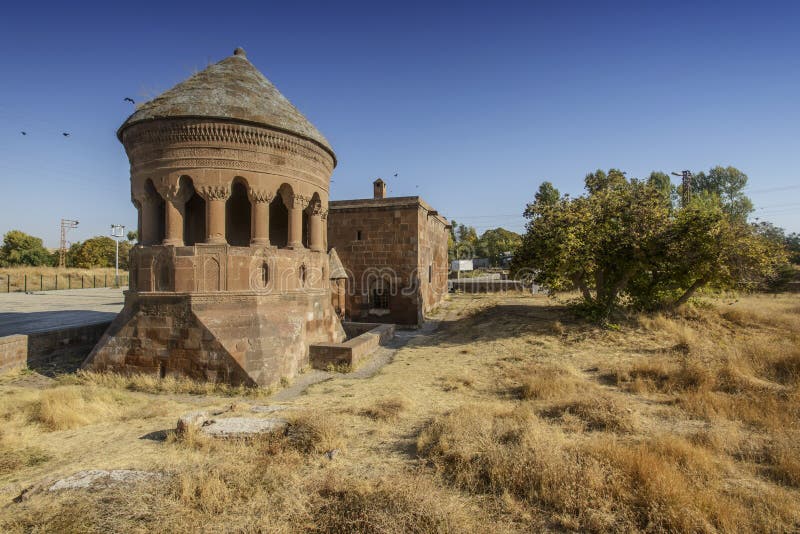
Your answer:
<point x="430" y="273"/>
<point x="358" y="235"/>
<point x="379" y="299"/>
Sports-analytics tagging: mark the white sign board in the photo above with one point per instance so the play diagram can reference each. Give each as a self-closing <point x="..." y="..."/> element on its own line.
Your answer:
<point x="461" y="265"/>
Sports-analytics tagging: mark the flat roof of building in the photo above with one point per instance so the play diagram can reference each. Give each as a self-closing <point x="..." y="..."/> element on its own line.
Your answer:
<point x="386" y="203"/>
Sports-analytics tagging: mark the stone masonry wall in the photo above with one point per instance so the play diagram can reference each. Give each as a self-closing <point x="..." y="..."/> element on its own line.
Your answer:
<point x="433" y="267"/>
<point x="13" y="352"/>
<point x="387" y="250"/>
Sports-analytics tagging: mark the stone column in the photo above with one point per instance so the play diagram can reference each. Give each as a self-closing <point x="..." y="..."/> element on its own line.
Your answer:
<point x="150" y="216"/>
<point x="215" y="197"/>
<point x="324" y="221"/>
<point x="315" y="227"/>
<point x="259" y="214"/>
<point x="296" y="206"/>
<point x="138" y="206"/>
<point x="174" y="212"/>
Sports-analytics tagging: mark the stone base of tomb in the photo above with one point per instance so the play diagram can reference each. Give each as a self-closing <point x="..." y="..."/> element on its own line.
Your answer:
<point x="232" y="338"/>
<point x="230" y="334"/>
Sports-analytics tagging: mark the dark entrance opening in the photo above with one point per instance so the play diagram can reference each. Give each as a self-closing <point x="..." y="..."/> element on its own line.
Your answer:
<point x="278" y="223"/>
<point x="237" y="216"/>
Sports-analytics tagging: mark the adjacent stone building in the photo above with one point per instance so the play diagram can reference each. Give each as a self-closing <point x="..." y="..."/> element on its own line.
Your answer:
<point x="394" y="251"/>
<point x="230" y="279"/>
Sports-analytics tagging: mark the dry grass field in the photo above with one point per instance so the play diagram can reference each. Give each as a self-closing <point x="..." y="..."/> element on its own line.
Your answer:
<point x="49" y="278"/>
<point x="512" y="417"/>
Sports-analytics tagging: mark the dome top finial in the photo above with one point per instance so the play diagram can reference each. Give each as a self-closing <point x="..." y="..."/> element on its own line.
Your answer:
<point x="239" y="52"/>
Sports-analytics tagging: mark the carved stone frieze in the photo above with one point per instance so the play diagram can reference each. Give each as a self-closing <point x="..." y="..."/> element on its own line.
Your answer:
<point x="260" y="195"/>
<point x="214" y="192"/>
<point x="216" y="133"/>
<point x="299" y="201"/>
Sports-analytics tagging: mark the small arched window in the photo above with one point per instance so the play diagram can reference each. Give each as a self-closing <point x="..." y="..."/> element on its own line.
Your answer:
<point x="430" y="273"/>
<point x="264" y="274"/>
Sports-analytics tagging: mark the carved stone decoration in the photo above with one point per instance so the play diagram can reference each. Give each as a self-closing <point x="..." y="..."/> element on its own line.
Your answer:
<point x="188" y="132"/>
<point x="260" y="195"/>
<point x="211" y="274"/>
<point x="214" y="192"/>
<point x="315" y="207"/>
<point x="169" y="190"/>
<point x="148" y="197"/>
<point x="299" y="201"/>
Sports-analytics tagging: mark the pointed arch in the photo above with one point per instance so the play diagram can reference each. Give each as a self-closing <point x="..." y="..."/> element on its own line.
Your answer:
<point x="279" y="216"/>
<point x="237" y="214"/>
<point x="154" y="224"/>
<point x="194" y="212"/>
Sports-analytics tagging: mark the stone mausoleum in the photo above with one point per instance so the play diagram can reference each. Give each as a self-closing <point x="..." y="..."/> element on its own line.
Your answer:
<point x="394" y="250"/>
<point x="230" y="281"/>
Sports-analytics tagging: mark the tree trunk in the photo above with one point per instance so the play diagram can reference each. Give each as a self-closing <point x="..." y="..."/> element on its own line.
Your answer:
<point x="700" y="282"/>
<point x="587" y="295"/>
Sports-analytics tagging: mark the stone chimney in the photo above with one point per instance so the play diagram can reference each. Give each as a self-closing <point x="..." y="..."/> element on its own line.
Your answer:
<point x="379" y="188"/>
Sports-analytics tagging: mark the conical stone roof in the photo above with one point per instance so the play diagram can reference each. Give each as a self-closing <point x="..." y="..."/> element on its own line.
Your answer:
<point x="232" y="89"/>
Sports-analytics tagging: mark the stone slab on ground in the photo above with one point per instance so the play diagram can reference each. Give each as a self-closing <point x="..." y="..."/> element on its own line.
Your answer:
<point x="95" y="478"/>
<point x="219" y="425"/>
<point x="90" y="479"/>
<point x="231" y="427"/>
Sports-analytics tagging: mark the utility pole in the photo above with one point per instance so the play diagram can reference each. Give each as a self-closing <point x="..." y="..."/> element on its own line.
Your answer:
<point x="686" y="187"/>
<point x="117" y="231"/>
<point x="66" y="225"/>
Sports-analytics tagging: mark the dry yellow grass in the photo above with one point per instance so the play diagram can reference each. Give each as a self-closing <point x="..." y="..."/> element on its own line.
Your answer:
<point x="513" y="417"/>
<point x="153" y="384"/>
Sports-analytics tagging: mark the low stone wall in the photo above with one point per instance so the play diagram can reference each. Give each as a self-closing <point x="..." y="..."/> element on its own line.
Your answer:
<point x="19" y="351"/>
<point x="367" y="337"/>
<point x="485" y="285"/>
<point x="44" y="346"/>
<point x="13" y="352"/>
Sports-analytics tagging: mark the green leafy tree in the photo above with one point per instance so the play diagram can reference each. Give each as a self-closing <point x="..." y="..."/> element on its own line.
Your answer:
<point x="728" y="184"/>
<point x="600" y="180"/>
<point x="20" y="248"/>
<point x="133" y="236"/>
<point x="620" y="242"/>
<point x="793" y="247"/>
<point x="98" y="251"/>
<point x="546" y="195"/>
<point x="663" y="184"/>
<point x="494" y="244"/>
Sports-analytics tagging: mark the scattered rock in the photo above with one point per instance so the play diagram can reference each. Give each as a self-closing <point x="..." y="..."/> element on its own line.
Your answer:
<point x="95" y="478"/>
<point x="91" y="479"/>
<point x="200" y="418"/>
<point x="192" y="419"/>
<point x="230" y="427"/>
<point x="330" y="455"/>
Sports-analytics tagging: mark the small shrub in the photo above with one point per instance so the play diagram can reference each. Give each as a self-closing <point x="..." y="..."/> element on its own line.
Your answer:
<point x="542" y="383"/>
<point x="597" y="413"/>
<point x="314" y="433"/>
<point x="385" y="410"/>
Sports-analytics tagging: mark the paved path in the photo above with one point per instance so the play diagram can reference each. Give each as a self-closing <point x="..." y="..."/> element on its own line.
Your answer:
<point x="381" y="356"/>
<point x="25" y="313"/>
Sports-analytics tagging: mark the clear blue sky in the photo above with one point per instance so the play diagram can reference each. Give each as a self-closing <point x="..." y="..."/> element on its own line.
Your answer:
<point x="472" y="104"/>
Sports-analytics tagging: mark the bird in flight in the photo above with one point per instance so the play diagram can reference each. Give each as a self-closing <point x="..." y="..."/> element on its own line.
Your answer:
<point x="65" y="134"/>
<point x="129" y="99"/>
<point x="24" y="133"/>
